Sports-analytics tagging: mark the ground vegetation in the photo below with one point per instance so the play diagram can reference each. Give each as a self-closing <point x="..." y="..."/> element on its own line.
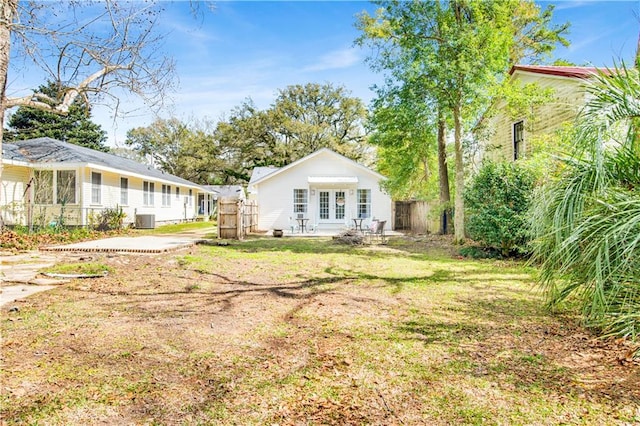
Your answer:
<point x="306" y="331"/>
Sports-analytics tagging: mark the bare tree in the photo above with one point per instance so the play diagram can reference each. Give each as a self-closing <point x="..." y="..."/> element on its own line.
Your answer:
<point x="93" y="50"/>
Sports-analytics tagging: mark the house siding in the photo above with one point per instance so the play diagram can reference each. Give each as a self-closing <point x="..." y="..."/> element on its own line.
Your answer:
<point x="14" y="184"/>
<point x="15" y="179"/>
<point x="110" y="198"/>
<point x="568" y="98"/>
<point x="275" y="194"/>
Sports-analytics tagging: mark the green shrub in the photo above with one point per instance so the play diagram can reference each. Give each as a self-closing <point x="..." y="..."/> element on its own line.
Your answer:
<point x="497" y="202"/>
<point x="108" y="219"/>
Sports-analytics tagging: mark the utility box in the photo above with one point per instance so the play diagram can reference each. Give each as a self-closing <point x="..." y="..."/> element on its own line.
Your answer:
<point x="145" y="221"/>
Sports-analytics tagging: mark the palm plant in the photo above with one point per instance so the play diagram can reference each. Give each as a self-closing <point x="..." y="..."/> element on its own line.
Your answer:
<point x="587" y="220"/>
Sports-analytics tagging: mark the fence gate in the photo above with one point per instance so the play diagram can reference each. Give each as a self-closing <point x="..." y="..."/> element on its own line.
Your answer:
<point x="236" y="218"/>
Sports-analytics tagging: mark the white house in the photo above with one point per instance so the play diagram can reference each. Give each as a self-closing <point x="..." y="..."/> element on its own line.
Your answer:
<point x="326" y="188"/>
<point x="46" y="180"/>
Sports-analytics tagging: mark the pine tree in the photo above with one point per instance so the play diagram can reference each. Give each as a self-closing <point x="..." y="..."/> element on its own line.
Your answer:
<point x="75" y="127"/>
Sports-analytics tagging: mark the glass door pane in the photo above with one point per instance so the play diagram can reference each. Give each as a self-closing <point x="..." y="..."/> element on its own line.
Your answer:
<point x="323" y="205"/>
<point x="340" y="204"/>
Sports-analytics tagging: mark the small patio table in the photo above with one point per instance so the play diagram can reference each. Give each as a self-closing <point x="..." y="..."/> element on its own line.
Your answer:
<point x="357" y="222"/>
<point x="302" y="221"/>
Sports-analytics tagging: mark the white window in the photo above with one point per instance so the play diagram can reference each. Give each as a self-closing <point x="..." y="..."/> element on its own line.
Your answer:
<point x="300" y="201"/>
<point x="124" y="191"/>
<point x="66" y="187"/>
<point x="166" y="195"/>
<point x="96" y="187"/>
<point x="148" y="189"/>
<point x="518" y="140"/>
<point x="177" y="193"/>
<point x="190" y="196"/>
<point x="43" y="186"/>
<point x="364" y="203"/>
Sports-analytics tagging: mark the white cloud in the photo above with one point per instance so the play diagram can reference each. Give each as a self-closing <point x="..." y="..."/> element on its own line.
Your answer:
<point x="567" y="5"/>
<point x="337" y="59"/>
<point x="590" y="42"/>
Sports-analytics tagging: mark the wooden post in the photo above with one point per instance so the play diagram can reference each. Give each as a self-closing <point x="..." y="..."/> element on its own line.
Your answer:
<point x="239" y="221"/>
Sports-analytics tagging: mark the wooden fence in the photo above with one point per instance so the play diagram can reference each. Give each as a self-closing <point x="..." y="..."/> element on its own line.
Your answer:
<point x="236" y="218"/>
<point x="419" y="217"/>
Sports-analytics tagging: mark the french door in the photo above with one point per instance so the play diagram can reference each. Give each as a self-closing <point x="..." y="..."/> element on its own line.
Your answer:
<point x="331" y="205"/>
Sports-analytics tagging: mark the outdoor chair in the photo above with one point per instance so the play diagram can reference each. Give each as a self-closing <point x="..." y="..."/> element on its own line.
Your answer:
<point x="293" y="224"/>
<point x="376" y="230"/>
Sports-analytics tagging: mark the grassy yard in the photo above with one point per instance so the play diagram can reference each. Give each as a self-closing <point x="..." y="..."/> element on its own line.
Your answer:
<point x="306" y="332"/>
<point x="186" y="227"/>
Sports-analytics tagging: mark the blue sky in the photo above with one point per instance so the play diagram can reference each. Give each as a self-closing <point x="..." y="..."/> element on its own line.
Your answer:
<point x="247" y="49"/>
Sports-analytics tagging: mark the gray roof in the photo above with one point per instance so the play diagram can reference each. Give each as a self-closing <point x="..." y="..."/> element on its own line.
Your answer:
<point x="260" y="172"/>
<point x="48" y="150"/>
<point x="10" y="152"/>
<point x="226" y="191"/>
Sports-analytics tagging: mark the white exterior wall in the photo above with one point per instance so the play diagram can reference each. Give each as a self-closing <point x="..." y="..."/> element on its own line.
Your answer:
<point x="14" y="207"/>
<point x="275" y="194"/>
<point x="13" y="204"/>
<point x="110" y="197"/>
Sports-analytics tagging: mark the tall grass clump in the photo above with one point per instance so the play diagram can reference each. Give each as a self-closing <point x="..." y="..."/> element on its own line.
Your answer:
<point x="587" y="220"/>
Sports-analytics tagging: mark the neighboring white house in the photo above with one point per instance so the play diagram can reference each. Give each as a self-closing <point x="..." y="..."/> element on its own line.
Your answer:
<point x="326" y="188"/>
<point x="46" y="180"/>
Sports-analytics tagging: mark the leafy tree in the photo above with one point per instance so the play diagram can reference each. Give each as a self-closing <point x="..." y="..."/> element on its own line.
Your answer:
<point x="398" y="121"/>
<point x="185" y="150"/>
<point x="317" y="116"/>
<point x="74" y="127"/>
<point x="457" y="51"/>
<point x="130" y="154"/>
<point x="301" y="120"/>
<point x="497" y="203"/>
<point x="587" y="221"/>
<point x="162" y="141"/>
<point x="250" y="138"/>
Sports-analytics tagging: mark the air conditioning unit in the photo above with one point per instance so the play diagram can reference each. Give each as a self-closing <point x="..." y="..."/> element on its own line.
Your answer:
<point x="145" y="221"/>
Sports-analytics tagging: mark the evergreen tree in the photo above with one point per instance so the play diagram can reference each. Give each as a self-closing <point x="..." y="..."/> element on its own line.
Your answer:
<point x="74" y="127"/>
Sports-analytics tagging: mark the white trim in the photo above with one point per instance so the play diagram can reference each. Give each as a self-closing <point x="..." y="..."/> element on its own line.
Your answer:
<point x="332" y="179"/>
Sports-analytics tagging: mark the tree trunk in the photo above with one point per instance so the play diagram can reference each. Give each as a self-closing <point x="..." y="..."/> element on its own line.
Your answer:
<point x="443" y="174"/>
<point x="8" y="10"/>
<point x="459" y="198"/>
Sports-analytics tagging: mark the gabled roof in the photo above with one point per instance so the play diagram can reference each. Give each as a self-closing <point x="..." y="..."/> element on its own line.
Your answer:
<point x="260" y="172"/>
<point x="309" y="157"/>
<point x="560" y="71"/>
<point x="52" y="151"/>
